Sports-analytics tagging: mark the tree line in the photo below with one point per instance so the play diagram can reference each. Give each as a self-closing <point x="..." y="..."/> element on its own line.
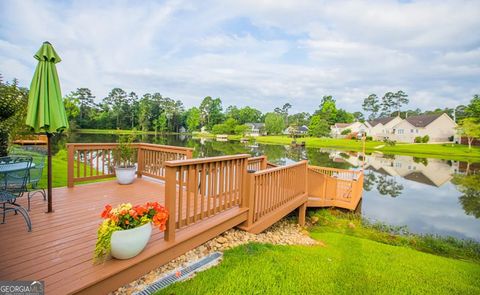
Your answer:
<point x="154" y="112"/>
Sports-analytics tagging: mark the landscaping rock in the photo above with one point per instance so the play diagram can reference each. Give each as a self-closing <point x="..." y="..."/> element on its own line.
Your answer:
<point x="283" y="232"/>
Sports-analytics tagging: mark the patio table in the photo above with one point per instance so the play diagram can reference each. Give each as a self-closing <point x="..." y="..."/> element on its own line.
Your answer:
<point x="5" y="169"/>
<point x="15" y="167"/>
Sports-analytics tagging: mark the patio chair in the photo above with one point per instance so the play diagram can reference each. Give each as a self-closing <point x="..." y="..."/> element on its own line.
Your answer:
<point x="35" y="176"/>
<point x="14" y="174"/>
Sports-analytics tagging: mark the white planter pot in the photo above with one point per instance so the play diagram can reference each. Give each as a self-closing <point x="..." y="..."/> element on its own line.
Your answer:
<point x="125" y="175"/>
<point x="129" y="243"/>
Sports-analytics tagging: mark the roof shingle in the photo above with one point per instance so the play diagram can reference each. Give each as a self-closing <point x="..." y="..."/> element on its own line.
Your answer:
<point x="384" y="121"/>
<point x="422" y="120"/>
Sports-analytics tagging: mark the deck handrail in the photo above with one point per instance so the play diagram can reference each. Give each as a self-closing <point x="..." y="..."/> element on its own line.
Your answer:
<point x="271" y="192"/>
<point x="175" y="163"/>
<point x="197" y="189"/>
<point x="90" y="161"/>
<point x="332" y="187"/>
<point x="257" y="163"/>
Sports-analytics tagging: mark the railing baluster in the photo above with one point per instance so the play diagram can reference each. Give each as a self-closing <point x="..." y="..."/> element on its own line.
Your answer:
<point x="180" y="195"/>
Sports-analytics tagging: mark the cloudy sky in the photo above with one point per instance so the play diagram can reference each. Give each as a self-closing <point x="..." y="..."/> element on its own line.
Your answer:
<point x="257" y="53"/>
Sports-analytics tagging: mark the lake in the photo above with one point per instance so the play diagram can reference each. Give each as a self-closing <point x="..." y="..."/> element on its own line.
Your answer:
<point x="398" y="190"/>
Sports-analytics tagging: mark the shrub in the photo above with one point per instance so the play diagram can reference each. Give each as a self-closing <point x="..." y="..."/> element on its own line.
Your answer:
<point x="389" y="142"/>
<point x="125" y="153"/>
<point x="418" y="139"/>
<point x="369" y="138"/>
<point x="346" y="131"/>
<point x="241" y="129"/>
<point x="425" y="139"/>
<point x="220" y="129"/>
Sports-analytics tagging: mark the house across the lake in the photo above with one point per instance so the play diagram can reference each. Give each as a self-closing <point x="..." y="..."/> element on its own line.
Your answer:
<point x="382" y="128"/>
<point x="255" y="129"/>
<point x="301" y="130"/>
<point x="439" y="128"/>
<point x="355" y="127"/>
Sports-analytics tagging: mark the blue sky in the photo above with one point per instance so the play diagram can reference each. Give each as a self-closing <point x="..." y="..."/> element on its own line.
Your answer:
<point x="256" y="53"/>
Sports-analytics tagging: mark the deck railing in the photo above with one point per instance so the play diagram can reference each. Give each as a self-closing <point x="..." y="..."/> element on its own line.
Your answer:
<point x="91" y="161"/>
<point x="336" y="172"/>
<point x="197" y="189"/>
<point x="257" y="163"/>
<point x="334" y="187"/>
<point x="274" y="188"/>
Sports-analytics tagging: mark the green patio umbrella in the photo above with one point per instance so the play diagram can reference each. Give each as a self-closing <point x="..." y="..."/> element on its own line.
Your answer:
<point x="46" y="112"/>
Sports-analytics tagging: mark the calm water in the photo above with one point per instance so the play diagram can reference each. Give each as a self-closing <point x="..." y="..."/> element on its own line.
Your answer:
<point x="398" y="190"/>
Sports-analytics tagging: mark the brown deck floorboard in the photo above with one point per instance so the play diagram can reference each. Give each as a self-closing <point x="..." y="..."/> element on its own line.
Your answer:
<point x="59" y="249"/>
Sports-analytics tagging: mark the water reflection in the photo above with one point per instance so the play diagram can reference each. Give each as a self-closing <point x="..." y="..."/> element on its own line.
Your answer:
<point x="427" y="195"/>
<point x="469" y="186"/>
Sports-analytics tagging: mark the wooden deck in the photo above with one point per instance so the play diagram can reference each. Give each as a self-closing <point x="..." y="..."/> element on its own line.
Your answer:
<point x="204" y="197"/>
<point x="59" y="249"/>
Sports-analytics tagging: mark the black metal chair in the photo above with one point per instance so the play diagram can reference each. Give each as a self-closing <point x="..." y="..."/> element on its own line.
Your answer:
<point x="35" y="175"/>
<point x="14" y="175"/>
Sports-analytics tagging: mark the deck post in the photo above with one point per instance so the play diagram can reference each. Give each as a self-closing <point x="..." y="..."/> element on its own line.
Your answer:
<point x="189" y="154"/>
<point x="264" y="163"/>
<point x="249" y="194"/>
<point x="170" y="203"/>
<point x="301" y="214"/>
<point x="140" y="161"/>
<point x="70" y="164"/>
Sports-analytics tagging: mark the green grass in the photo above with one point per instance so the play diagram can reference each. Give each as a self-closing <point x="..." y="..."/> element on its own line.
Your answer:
<point x="59" y="164"/>
<point x="345" y="265"/>
<point x="441" y="151"/>
<point x="336" y="221"/>
<point x="353" y="257"/>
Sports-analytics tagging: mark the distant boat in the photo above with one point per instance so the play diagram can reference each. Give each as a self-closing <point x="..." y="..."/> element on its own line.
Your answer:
<point x="222" y="137"/>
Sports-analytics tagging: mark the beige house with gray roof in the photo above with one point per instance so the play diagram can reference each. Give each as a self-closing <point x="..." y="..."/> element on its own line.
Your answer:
<point x="382" y="128"/>
<point x="355" y="127"/>
<point x="439" y="127"/>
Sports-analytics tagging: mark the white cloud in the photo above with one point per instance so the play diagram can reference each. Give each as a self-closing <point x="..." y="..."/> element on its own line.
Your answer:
<point x="258" y="53"/>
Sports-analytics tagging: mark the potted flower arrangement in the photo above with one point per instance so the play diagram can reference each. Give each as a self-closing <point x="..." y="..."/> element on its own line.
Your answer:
<point x="125" y="166"/>
<point x="126" y="229"/>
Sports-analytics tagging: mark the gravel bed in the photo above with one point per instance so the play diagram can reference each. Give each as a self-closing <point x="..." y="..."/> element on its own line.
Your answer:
<point x="283" y="232"/>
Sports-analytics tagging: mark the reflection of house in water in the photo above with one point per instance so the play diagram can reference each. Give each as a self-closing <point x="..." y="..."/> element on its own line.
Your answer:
<point x="427" y="171"/>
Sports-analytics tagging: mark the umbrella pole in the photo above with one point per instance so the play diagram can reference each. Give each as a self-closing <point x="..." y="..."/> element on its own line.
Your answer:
<point x="49" y="173"/>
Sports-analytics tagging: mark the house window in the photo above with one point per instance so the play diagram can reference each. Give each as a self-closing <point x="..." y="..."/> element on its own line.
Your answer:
<point x="399" y="131"/>
<point x="411" y="130"/>
<point x="416" y="130"/>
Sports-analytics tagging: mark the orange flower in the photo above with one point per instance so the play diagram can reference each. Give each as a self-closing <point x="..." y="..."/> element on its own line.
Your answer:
<point x="140" y="210"/>
<point x="133" y="213"/>
<point x="114" y="218"/>
<point x="106" y="211"/>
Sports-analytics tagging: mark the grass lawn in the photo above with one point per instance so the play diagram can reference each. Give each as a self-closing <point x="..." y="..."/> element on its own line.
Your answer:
<point x="345" y="265"/>
<point x="442" y="151"/>
<point x="354" y="257"/>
